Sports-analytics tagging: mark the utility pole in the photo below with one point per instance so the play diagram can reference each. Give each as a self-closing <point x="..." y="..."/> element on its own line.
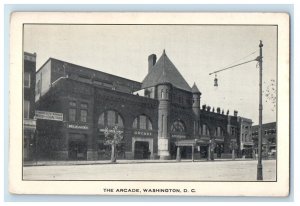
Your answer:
<point x="259" y="59"/>
<point x="259" y="165"/>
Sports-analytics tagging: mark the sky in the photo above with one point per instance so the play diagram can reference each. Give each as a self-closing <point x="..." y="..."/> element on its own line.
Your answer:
<point x="195" y="50"/>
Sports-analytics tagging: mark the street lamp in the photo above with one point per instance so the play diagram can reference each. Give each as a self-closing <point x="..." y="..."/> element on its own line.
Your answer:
<point x="259" y="60"/>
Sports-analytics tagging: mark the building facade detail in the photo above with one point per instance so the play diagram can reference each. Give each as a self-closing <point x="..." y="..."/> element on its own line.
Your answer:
<point x="160" y="117"/>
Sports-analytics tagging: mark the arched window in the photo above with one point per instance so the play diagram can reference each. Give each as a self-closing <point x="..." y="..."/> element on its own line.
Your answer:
<point x="110" y="118"/>
<point x="142" y="122"/>
<point x="178" y="127"/>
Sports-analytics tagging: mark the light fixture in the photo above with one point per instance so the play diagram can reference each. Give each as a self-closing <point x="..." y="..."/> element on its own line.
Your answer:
<point x="216" y="81"/>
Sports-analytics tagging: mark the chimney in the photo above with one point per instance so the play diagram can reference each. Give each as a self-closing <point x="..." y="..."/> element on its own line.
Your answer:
<point x="151" y="62"/>
<point x="235" y="113"/>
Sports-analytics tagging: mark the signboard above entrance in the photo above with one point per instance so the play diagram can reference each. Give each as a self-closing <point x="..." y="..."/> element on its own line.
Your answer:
<point x="178" y="136"/>
<point x="76" y="126"/>
<point x="48" y="115"/>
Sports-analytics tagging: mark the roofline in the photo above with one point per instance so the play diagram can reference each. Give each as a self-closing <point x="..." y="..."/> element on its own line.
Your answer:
<point x="53" y="86"/>
<point x="30" y="54"/>
<point x="44" y="64"/>
<point x="51" y="58"/>
<point x="265" y="124"/>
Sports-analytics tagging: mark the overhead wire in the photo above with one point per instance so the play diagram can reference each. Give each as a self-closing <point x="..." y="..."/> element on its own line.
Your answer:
<point x="231" y="65"/>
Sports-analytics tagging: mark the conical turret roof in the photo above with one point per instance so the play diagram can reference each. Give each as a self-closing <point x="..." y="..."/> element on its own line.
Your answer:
<point x="195" y="89"/>
<point x="164" y="71"/>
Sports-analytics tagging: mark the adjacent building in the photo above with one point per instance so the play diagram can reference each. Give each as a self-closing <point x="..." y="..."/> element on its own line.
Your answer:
<point x="269" y="139"/>
<point x="246" y="143"/>
<point x="160" y="117"/>
<point x="29" y="123"/>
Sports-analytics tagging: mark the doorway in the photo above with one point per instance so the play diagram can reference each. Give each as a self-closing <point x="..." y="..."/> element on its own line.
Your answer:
<point x="141" y="150"/>
<point x="77" y="150"/>
<point x="204" y="151"/>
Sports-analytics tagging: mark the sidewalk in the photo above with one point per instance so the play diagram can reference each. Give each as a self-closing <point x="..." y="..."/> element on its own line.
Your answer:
<point x="94" y="162"/>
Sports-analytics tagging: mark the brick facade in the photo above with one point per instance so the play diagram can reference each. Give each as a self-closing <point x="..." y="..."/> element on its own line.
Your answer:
<point x="167" y="115"/>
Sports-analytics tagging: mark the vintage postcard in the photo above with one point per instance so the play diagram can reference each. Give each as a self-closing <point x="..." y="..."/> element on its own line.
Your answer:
<point x="184" y="104"/>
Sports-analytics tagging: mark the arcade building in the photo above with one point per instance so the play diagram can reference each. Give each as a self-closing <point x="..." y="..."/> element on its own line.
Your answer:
<point x="160" y="117"/>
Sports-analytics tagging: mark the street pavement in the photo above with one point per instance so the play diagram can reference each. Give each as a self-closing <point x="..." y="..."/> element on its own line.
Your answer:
<point x="239" y="170"/>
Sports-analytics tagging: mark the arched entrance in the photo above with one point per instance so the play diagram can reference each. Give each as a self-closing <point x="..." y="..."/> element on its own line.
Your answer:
<point x="141" y="150"/>
<point x="142" y="147"/>
<point x="142" y="140"/>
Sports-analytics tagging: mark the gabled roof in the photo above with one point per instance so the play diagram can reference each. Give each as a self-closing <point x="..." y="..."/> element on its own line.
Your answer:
<point x="164" y="71"/>
<point x="195" y="89"/>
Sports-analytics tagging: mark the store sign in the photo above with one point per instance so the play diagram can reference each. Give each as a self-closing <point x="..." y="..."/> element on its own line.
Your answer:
<point x="178" y="136"/>
<point x="142" y="133"/>
<point x="76" y="126"/>
<point x="48" y="115"/>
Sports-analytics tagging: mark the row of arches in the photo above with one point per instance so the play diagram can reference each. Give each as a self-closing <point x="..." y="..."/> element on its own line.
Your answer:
<point x="206" y="131"/>
<point x="112" y="118"/>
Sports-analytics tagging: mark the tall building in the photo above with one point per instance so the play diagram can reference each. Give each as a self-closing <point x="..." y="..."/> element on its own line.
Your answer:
<point x="29" y="122"/>
<point x="159" y="118"/>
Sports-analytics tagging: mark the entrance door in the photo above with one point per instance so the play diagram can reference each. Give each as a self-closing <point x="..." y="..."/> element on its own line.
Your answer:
<point x="141" y="150"/>
<point x="204" y="151"/>
<point x="77" y="150"/>
<point x="186" y="152"/>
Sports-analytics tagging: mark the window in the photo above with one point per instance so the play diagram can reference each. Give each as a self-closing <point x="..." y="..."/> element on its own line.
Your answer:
<point x="38" y="87"/>
<point x="83" y="115"/>
<point x="246" y="138"/>
<point x="135" y="123"/>
<point x="120" y="121"/>
<point x="110" y="118"/>
<point x="219" y="132"/>
<point x="232" y="130"/>
<point x="26" y="109"/>
<point x="84" y="105"/>
<point x="142" y="122"/>
<point x="205" y="130"/>
<point x="162" y="94"/>
<point x="27" y="80"/>
<point x="72" y="104"/>
<point x="101" y="120"/>
<point x="149" y="124"/>
<point x="72" y="115"/>
<point x="178" y="126"/>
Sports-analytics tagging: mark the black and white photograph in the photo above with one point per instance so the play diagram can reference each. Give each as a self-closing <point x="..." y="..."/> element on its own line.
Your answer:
<point x="153" y="101"/>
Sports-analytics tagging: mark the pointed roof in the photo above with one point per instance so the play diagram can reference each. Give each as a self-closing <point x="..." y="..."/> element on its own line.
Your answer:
<point x="195" y="89"/>
<point x="164" y="71"/>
